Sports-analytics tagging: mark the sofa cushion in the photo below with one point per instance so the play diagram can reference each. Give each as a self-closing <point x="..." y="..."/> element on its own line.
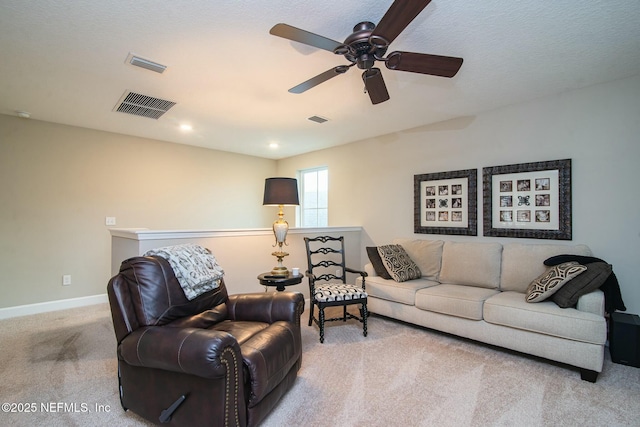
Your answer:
<point x="427" y="254"/>
<point x="589" y="281"/>
<point x="473" y="264"/>
<point x="510" y="309"/>
<point x="376" y="262"/>
<point x="398" y="263"/>
<point x="552" y="281"/>
<point x="455" y="300"/>
<point x="390" y="290"/>
<point x="523" y="262"/>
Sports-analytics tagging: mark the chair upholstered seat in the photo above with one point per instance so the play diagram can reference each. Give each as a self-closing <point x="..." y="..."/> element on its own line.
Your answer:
<point x="338" y="292"/>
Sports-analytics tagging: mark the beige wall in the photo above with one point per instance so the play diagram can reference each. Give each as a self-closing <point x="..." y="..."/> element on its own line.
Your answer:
<point x="60" y="182"/>
<point x="371" y="181"/>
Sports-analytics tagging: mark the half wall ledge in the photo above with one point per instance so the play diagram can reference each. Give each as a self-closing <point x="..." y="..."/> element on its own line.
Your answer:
<point x="242" y="253"/>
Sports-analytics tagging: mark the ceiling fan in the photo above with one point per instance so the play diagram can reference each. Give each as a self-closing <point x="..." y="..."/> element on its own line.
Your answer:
<point x="368" y="44"/>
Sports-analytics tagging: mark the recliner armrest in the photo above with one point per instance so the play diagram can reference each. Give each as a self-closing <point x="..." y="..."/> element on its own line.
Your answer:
<point x="202" y="352"/>
<point x="266" y="307"/>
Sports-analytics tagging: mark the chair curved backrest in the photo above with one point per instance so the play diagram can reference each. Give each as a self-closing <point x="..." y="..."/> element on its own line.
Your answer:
<point x="326" y="258"/>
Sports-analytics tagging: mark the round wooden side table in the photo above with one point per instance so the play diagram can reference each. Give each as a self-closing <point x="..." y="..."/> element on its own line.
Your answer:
<point x="267" y="279"/>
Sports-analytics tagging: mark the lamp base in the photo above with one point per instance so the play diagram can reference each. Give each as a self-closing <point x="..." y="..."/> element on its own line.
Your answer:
<point x="280" y="270"/>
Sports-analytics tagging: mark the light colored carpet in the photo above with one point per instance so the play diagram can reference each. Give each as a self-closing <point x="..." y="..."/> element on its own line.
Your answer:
<point x="399" y="375"/>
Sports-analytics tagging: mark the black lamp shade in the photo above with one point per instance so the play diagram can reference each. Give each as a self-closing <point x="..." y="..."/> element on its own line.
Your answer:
<point x="281" y="191"/>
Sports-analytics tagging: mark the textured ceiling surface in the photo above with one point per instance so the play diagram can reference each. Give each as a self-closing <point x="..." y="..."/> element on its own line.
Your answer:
<point x="64" y="62"/>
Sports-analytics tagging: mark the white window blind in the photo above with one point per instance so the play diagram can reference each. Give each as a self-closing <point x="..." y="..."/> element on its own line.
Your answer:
<point x="314" y="206"/>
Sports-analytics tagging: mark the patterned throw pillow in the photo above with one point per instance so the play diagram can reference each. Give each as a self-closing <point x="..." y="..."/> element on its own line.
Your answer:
<point x="399" y="265"/>
<point x="552" y="280"/>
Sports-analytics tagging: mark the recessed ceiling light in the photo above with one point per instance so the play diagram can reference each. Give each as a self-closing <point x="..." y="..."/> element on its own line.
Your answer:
<point x="185" y="127"/>
<point x="273" y="145"/>
<point x="145" y="63"/>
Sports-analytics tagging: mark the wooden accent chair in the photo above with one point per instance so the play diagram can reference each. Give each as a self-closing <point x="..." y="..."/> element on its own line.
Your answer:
<point x="328" y="283"/>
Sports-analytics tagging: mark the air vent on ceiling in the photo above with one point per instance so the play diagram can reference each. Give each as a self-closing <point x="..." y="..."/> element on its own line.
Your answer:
<point x="143" y="105"/>
<point x="145" y="63"/>
<point x="318" y="119"/>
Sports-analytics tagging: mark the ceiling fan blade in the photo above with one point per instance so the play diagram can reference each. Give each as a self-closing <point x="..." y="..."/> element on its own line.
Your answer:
<point x="320" y="78"/>
<point x="374" y="83"/>
<point x="435" y="65"/>
<point x="305" y="37"/>
<point x="399" y="15"/>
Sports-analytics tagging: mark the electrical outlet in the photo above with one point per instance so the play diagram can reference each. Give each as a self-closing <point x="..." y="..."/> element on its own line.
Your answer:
<point x="110" y="220"/>
<point x="66" y="280"/>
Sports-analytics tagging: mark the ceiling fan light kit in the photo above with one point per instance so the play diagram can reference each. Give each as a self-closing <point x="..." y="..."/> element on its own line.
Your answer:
<point x="369" y="43"/>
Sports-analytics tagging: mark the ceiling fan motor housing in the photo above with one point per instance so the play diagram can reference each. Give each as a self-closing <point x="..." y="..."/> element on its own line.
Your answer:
<point x="361" y="51"/>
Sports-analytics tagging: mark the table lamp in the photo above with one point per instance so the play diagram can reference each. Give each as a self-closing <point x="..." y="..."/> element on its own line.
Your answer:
<point x="280" y="192"/>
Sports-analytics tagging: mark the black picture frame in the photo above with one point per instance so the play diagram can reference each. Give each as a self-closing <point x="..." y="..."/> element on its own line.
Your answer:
<point x="546" y="203"/>
<point x="458" y="214"/>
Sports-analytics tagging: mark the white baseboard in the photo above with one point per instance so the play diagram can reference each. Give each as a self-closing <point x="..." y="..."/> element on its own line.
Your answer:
<point x="43" y="307"/>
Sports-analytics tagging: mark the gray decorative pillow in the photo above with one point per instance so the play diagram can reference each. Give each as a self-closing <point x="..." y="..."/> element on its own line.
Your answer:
<point x="377" y="263"/>
<point x="552" y="280"/>
<point x="596" y="274"/>
<point x="399" y="265"/>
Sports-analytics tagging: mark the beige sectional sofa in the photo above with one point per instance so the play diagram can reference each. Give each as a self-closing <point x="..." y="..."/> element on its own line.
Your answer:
<point x="477" y="290"/>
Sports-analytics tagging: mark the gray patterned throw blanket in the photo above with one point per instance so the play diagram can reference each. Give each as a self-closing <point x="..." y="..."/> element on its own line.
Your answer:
<point x="194" y="266"/>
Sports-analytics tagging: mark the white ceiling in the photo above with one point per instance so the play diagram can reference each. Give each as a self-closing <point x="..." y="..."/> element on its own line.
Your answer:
<point x="64" y="62"/>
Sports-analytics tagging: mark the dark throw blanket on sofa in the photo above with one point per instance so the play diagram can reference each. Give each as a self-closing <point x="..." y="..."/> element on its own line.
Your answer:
<point x="610" y="287"/>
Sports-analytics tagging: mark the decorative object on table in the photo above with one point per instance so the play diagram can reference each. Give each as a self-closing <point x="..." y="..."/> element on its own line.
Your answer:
<point x="328" y="287"/>
<point x="280" y="192"/>
<point x="528" y="200"/>
<point x="446" y="203"/>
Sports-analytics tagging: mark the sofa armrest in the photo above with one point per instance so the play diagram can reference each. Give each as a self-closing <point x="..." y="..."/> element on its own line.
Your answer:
<point x="266" y="307"/>
<point x="202" y="352"/>
<point x="371" y="272"/>
<point x="593" y="302"/>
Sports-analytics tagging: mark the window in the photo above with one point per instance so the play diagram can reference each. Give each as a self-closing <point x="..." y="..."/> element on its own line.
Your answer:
<point x="314" y="205"/>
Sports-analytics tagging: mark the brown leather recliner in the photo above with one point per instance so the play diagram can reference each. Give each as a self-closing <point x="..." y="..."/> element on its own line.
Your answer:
<point x="217" y="360"/>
